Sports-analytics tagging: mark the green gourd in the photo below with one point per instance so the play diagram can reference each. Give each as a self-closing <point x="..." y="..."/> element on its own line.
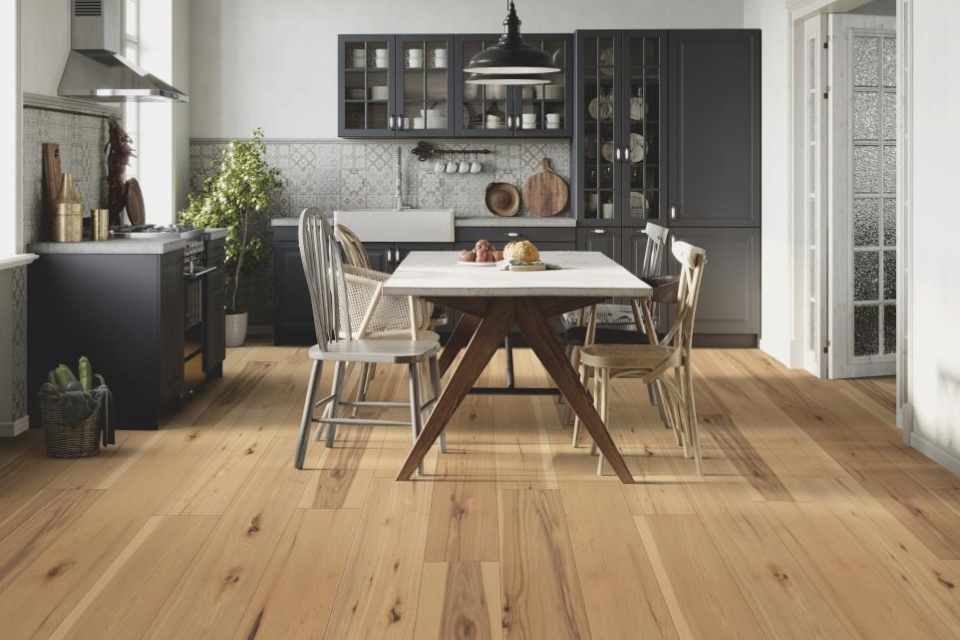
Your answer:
<point x="85" y="372"/>
<point x="64" y="375"/>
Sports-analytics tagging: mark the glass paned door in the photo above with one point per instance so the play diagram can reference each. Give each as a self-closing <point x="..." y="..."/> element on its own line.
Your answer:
<point x="543" y="109"/>
<point x="424" y="87"/>
<point x="863" y="208"/>
<point x="600" y="179"/>
<point x="366" y="68"/>
<point x="484" y="109"/>
<point x="641" y="109"/>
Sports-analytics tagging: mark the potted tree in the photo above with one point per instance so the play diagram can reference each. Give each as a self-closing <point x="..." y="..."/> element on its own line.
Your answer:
<point x="236" y="196"/>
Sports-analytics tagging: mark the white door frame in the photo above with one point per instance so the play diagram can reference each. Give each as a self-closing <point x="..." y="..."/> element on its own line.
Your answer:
<point x="798" y="12"/>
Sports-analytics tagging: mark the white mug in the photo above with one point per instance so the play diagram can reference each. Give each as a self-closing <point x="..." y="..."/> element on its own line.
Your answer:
<point x="439" y="167"/>
<point x="452" y="167"/>
<point x="464" y="167"/>
<point x="607" y="210"/>
<point x="476" y="167"/>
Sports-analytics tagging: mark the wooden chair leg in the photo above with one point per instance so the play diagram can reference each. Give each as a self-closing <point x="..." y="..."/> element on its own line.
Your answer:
<point x="692" y="423"/>
<point x="508" y="351"/>
<point x="416" y="418"/>
<point x="597" y="374"/>
<point x="306" y="419"/>
<point x="435" y="389"/>
<point x="576" y="418"/>
<point x="362" y="386"/>
<point x="331" y="413"/>
<point x="604" y="406"/>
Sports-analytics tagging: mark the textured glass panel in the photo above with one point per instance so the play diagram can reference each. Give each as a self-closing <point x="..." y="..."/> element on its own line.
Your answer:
<point x="890" y="116"/>
<point x="866" y="61"/>
<point x="866" y="115"/>
<point x="866" y="222"/>
<point x="866" y="275"/>
<point x="890" y="222"/>
<point x="866" y="330"/>
<point x="890" y="169"/>
<point x="889" y="275"/>
<point x="890" y="62"/>
<point x="889" y="328"/>
<point x="866" y="169"/>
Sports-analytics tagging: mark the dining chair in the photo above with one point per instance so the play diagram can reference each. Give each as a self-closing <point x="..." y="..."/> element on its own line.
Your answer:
<point x="654" y="363"/>
<point x="588" y="329"/>
<point x="355" y="323"/>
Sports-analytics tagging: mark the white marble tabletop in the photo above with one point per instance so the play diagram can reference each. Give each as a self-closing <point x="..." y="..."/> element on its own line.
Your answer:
<point x="581" y="274"/>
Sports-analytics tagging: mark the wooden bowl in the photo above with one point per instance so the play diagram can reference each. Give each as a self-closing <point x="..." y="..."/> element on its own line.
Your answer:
<point x="502" y="199"/>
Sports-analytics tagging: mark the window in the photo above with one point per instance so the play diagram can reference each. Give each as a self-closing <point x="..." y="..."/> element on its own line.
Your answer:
<point x="131" y="110"/>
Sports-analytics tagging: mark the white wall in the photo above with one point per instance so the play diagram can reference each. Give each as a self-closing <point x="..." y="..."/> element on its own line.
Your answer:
<point x="10" y="129"/>
<point x="934" y="345"/>
<point x="772" y="18"/>
<point x="273" y="64"/>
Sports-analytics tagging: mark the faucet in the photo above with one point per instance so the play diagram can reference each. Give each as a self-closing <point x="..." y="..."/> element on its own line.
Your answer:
<point x="398" y="190"/>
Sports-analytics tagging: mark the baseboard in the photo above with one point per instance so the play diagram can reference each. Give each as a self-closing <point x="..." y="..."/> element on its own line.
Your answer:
<point x="935" y="452"/>
<point x="15" y="428"/>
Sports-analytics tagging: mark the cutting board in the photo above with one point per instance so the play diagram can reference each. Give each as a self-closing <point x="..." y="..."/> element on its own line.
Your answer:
<point x="135" y="210"/>
<point x="546" y="193"/>
<point x="51" y="180"/>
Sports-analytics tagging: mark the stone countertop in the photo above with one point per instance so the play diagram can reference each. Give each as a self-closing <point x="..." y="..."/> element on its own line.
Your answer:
<point x="478" y="221"/>
<point x="119" y="246"/>
<point x="215" y="233"/>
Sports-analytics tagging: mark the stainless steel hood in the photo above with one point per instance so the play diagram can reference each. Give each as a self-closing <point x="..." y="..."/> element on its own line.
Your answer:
<point x="96" y="70"/>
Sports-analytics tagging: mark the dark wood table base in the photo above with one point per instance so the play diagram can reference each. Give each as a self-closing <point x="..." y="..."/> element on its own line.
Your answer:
<point x="481" y="331"/>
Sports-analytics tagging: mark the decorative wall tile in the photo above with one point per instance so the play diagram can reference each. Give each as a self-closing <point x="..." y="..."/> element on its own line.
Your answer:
<point x="19" y="402"/>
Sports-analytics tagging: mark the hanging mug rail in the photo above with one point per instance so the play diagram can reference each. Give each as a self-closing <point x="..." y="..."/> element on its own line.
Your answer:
<point x="426" y="151"/>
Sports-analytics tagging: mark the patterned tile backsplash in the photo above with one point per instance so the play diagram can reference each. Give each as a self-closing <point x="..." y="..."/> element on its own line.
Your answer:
<point x="332" y="174"/>
<point x="81" y="139"/>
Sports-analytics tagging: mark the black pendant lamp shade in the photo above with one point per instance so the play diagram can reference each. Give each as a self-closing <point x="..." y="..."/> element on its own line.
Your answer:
<point x="511" y="60"/>
<point x="506" y="79"/>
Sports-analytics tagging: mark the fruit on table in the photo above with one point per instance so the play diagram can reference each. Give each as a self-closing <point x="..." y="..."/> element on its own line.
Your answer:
<point x="468" y="256"/>
<point x="486" y="255"/>
<point x="482" y="245"/>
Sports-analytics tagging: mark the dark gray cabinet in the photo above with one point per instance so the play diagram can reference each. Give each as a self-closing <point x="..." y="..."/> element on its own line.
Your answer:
<point x="214" y="342"/>
<point x="496" y="111"/>
<point x="606" y="240"/>
<point x="730" y="295"/>
<point x="714" y="128"/>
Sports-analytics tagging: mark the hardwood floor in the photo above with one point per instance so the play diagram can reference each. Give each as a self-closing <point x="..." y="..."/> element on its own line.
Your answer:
<point x="813" y="521"/>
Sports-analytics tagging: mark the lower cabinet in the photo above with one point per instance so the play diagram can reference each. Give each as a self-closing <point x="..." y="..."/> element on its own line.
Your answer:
<point x="730" y="294"/>
<point x="606" y="240"/>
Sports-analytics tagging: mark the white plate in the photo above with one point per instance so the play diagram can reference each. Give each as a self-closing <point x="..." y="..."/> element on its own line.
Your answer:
<point x="476" y="264"/>
<point x="638" y="148"/>
<point x="607" y="151"/>
<point x="600" y="108"/>
<point x="638" y="109"/>
<point x="638" y="200"/>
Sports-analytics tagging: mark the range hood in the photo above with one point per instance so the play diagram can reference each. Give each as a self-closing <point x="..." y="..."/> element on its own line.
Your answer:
<point x="95" y="68"/>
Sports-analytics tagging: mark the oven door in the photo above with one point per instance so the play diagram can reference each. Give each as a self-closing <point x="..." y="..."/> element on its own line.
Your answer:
<point x="194" y="320"/>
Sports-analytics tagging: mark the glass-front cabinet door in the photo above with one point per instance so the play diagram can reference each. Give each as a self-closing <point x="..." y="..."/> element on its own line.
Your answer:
<point x="598" y="136"/>
<point x="643" y="61"/>
<point x="366" y="85"/>
<point x="545" y="110"/>
<point x="485" y="110"/>
<point x="424" y="97"/>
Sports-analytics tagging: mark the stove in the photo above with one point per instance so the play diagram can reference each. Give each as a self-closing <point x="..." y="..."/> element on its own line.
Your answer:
<point x="152" y="232"/>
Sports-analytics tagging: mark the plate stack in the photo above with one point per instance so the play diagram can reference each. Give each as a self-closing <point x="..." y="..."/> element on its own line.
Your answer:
<point x="359" y="58"/>
<point x="528" y="121"/>
<point x="381" y="58"/>
<point x="494" y="121"/>
<point x="439" y="58"/>
<point x="414" y="58"/>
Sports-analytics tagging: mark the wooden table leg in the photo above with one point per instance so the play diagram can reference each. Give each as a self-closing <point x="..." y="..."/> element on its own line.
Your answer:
<point x="466" y="327"/>
<point x="488" y="337"/>
<point x="532" y="320"/>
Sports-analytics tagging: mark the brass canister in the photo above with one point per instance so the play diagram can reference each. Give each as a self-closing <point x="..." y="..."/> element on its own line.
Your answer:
<point x="68" y="222"/>
<point x="101" y="223"/>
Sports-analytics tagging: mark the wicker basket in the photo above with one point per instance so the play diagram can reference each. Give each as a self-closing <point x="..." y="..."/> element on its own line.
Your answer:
<point x="78" y="440"/>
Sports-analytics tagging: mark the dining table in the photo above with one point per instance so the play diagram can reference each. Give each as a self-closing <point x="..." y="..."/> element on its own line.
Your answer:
<point x="493" y="301"/>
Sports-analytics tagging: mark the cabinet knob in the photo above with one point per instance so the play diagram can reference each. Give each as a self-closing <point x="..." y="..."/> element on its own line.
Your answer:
<point x="673" y="213"/>
<point x="616" y="154"/>
<point x="626" y="153"/>
<point x="599" y="232"/>
<point x="390" y="123"/>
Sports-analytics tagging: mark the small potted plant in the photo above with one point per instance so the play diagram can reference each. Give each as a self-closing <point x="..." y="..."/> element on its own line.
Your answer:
<point x="236" y="197"/>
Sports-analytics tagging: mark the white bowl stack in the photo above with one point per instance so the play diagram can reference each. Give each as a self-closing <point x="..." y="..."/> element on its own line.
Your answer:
<point x="381" y="58"/>
<point x="439" y="58"/>
<point x="494" y="121"/>
<point x="359" y="58"/>
<point x="528" y="121"/>
<point x="414" y="58"/>
<point x="553" y="120"/>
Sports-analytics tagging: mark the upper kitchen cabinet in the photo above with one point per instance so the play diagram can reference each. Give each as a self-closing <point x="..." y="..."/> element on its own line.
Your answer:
<point x="714" y="128"/>
<point x="540" y="111"/>
<point x="619" y="126"/>
<point x="395" y="86"/>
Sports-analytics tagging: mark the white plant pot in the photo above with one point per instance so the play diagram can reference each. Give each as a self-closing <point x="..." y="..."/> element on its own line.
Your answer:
<point x="236" y="329"/>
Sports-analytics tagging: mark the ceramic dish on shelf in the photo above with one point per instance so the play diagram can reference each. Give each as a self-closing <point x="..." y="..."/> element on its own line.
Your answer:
<point x="608" y="151"/>
<point x="600" y="108"/>
<point x="638" y="109"/>
<point x="607" y="59"/>
<point x="638" y="148"/>
<point x="638" y="200"/>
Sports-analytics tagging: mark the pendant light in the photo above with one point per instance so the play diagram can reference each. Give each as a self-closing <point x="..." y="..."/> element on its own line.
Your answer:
<point x="511" y="61"/>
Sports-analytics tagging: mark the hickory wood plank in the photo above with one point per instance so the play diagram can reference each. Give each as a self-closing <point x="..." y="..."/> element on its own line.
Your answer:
<point x="141" y="578"/>
<point x="463" y="524"/>
<point x="847" y="572"/>
<point x="612" y="564"/>
<point x="379" y="593"/>
<point x="459" y="600"/>
<point x="214" y="594"/>
<point x="542" y="594"/>
<point x="296" y="593"/>
<point x="770" y="577"/>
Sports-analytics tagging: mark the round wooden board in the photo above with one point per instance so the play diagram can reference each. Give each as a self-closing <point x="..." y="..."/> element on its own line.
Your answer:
<point x="545" y="193"/>
<point x="135" y="210"/>
<point x="502" y="199"/>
